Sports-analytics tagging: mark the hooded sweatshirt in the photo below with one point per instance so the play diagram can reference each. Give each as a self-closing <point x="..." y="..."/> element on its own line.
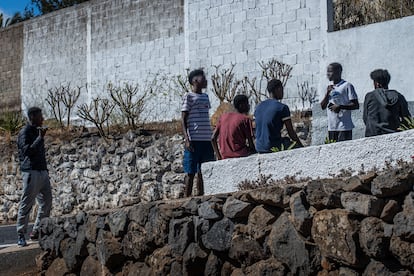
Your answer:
<point x="384" y="111"/>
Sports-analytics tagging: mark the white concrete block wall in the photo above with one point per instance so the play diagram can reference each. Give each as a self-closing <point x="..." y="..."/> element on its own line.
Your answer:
<point x="246" y="32"/>
<point x="311" y="162"/>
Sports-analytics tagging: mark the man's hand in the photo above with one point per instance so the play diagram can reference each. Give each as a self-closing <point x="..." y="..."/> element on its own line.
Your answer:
<point x="42" y="131"/>
<point x="188" y="145"/>
<point x="335" y="108"/>
<point x="329" y="89"/>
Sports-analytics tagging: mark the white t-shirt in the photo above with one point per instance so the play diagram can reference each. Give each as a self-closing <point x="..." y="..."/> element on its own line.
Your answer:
<point x="198" y="123"/>
<point x="342" y="94"/>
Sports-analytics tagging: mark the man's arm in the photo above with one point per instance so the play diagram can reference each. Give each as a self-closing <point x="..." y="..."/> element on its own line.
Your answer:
<point x="250" y="139"/>
<point x="184" y="119"/>
<point x="291" y="132"/>
<point x="365" y="111"/>
<point x="214" y="143"/>
<point x="353" y="105"/>
<point x="404" y="108"/>
<point x="325" y="100"/>
<point x="30" y="149"/>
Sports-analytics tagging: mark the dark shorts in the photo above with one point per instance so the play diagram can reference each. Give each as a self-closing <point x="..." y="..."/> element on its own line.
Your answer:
<point x="339" y="136"/>
<point x="203" y="152"/>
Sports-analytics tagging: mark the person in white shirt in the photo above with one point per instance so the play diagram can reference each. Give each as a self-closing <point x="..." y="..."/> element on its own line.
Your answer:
<point x="340" y="99"/>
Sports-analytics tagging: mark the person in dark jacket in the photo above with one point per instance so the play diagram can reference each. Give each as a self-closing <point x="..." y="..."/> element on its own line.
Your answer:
<point x="36" y="184"/>
<point x="384" y="109"/>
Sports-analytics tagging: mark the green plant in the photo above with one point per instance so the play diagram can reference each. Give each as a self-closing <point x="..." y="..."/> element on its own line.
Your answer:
<point x="283" y="148"/>
<point x="11" y="121"/>
<point x="407" y="124"/>
<point x="329" y="141"/>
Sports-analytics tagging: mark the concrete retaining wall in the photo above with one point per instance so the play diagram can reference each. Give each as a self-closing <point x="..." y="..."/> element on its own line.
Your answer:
<point x="315" y="161"/>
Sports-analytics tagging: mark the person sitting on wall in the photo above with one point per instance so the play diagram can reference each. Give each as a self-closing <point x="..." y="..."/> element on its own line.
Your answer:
<point x="340" y="98"/>
<point x="233" y="130"/>
<point x="197" y="131"/>
<point x="270" y="116"/>
<point x="384" y="109"/>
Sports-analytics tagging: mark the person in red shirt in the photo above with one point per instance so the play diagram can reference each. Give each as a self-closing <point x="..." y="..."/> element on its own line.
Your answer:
<point x="233" y="130"/>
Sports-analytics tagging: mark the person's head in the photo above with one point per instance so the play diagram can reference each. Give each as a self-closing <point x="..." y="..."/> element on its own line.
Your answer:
<point x="197" y="79"/>
<point x="381" y="78"/>
<point x="35" y="116"/>
<point x="334" y="71"/>
<point x="275" y="88"/>
<point x="241" y="103"/>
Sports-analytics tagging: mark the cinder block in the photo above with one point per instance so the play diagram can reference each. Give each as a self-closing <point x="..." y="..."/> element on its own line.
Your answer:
<point x="303" y="13"/>
<point x="266" y="33"/>
<point x="262" y="43"/>
<point x="239" y="15"/>
<point x="292" y="5"/>
<point x="303" y="58"/>
<point x="217" y="60"/>
<point x="262" y="22"/>
<point x="289" y="38"/>
<point x="279" y="29"/>
<point x="313" y="23"/>
<point x="236" y="27"/>
<point x="289" y="16"/>
<point x="303" y="35"/>
<point x="295" y="26"/>
<point x="290" y="59"/>
<point x="216" y="40"/>
<point x="241" y="57"/>
<point x="267" y="53"/>
<point x="275" y="19"/>
<point x="249" y="45"/>
<point x="315" y="34"/>
<point x="311" y="45"/>
<point x="315" y="55"/>
<point x="280" y="49"/>
<point x="294" y="48"/>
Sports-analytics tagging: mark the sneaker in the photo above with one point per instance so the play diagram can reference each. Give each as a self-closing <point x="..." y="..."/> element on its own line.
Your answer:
<point x="34" y="235"/>
<point x="21" y="241"/>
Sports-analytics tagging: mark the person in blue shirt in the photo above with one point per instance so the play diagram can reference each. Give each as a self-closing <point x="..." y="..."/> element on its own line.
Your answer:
<point x="270" y="116"/>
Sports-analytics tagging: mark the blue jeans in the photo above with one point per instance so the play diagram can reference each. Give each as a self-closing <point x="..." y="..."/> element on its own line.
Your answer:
<point x="36" y="185"/>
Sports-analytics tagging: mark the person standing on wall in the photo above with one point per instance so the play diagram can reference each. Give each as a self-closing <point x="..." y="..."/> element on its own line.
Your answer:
<point x="270" y="116"/>
<point x="384" y="109"/>
<point x="36" y="183"/>
<point x="197" y="131"/>
<point x="340" y="98"/>
<point x="233" y="130"/>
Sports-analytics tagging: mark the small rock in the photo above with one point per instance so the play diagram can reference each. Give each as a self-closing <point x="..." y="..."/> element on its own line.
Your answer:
<point x="403" y="251"/>
<point x="391" y="184"/>
<point x="234" y="208"/>
<point x="219" y="236"/>
<point x="213" y="265"/>
<point x="267" y="267"/>
<point x="301" y="218"/>
<point x="210" y="210"/>
<point x="372" y="238"/>
<point x="362" y="204"/>
<point x="260" y="222"/>
<point x="181" y="234"/>
<point x="325" y="193"/>
<point x="108" y="250"/>
<point x="91" y="266"/>
<point x="390" y="210"/>
<point x="58" y="267"/>
<point x="355" y="184"/>
<point x="245" y="251"/>
<point x="194" y="259"/>
<point x="117" y="222"/>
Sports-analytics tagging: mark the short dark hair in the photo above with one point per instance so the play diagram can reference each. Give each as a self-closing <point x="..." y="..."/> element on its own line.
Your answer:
<point x="336" y="66"/>
<point x="239" y="100"/>
<point x="32" y="111"/>
<point x="273" y="84"/>
<point x="194" y="73"/>
<point x="381" y="76"/>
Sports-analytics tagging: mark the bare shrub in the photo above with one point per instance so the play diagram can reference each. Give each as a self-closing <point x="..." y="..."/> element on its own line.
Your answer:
<point x="62" y="99"/>
<point x="275" y="69"/>
<point x="225" y="84"/>
<point x="129" y="101"/>
<point x="179" y="84"/>
<point x="98" y="113"/>
<point x="307" y="94"/>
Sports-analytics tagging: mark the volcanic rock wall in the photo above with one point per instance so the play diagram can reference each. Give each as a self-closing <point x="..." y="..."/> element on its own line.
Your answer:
<point x="357" y="226"/>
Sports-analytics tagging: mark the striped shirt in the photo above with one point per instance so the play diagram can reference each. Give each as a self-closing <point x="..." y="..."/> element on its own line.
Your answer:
<point x="198" y="122"/>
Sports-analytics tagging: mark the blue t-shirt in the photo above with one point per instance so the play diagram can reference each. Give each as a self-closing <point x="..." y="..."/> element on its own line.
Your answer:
<point x="269" y="117"/>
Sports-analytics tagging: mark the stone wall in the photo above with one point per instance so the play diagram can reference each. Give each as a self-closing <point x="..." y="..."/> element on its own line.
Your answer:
<point x="11" y="57"/>
<point x="88" y="173"/>
<point x="355" y="226"/>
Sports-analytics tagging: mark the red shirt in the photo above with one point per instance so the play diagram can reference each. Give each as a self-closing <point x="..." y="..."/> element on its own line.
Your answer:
<point x="234" y="128"/>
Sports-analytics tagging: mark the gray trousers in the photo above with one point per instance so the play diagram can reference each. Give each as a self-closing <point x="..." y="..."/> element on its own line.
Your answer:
<point x="36" y="185"/>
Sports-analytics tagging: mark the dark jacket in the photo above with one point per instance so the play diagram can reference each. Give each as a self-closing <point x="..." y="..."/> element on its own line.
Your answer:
<point x="31" y="146"/>
<point x="384" y="111"/>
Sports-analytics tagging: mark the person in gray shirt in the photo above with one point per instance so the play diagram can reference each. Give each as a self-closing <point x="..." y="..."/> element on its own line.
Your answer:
<point x="384" y="109"/>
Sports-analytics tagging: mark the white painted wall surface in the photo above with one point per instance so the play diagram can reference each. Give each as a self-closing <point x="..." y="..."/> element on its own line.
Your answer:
<point x="316" y="161"/>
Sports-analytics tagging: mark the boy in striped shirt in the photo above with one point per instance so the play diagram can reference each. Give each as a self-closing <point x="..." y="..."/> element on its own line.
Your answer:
<point x="197" y="131"/>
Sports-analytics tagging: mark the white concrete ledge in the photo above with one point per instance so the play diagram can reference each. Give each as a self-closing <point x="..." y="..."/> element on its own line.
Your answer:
<point x="316" y="161"/>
